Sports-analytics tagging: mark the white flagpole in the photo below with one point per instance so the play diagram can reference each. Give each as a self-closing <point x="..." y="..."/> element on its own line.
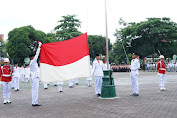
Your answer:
<point x="107" y="49"/>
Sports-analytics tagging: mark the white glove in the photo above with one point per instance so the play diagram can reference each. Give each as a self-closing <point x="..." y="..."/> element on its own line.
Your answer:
<point x="39" y="44"/>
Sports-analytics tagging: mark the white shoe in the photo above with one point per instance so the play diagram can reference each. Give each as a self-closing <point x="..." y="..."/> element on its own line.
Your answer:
<point x="8" y="101"/>
<point x="5" y="101"/>
<point x="164" y="89"/>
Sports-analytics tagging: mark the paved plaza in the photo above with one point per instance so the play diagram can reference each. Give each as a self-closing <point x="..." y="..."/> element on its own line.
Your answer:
<point x="81" y="102"/>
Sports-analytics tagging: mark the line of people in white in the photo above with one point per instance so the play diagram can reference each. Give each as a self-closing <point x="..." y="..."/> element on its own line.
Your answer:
<point x="171" y="67"/>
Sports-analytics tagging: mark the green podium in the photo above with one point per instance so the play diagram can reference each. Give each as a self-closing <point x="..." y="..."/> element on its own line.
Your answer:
<point x="108" y="89"/>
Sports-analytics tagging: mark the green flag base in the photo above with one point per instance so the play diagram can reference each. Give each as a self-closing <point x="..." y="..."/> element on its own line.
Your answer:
<point x="108" y="89"/>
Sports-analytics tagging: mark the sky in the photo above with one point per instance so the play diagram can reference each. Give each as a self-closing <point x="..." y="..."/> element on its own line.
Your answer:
<point x="44" y="14"/>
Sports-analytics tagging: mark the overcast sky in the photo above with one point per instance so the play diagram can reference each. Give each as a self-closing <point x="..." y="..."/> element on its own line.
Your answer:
<point x="44" y="14"/>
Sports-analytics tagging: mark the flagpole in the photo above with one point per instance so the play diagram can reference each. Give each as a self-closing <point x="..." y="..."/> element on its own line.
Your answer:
<point x="107" y="50"/>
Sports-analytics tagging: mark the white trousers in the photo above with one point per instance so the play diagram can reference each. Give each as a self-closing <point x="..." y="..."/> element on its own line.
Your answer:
<point x="98" y="84"/>
<point x="16" y="82"/>
<point x="6" y="89"/>
<point x="134" y="80"/>
<point x="45" y="84"/>
<point x="60" y="87"/>
<point x="35" y="89"/>
<point x="71" y="82"/>
<point x="27" y="80"/>
<point x="76" y="80"/>
<point x="22" y="77"/>
<point x="13" y="82"/>
<point x="89" y="82"/>
<point x="162" y="80"/>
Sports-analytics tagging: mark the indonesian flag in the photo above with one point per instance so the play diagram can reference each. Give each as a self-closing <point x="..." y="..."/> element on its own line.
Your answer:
<point x="65" y="60"/>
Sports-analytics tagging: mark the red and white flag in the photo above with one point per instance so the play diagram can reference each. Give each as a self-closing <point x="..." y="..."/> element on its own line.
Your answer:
<point x="65" y="60"/>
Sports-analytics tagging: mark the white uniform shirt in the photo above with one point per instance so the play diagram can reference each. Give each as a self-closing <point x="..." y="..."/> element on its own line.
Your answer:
<point x="33" y="64"/>
<point x="16" y="72"/>
<point x="135" y="65"/>
<point x="22" y="71"/>
<point x="176" y="65"/>
<point x="27" y="72"/>
<point x="97" y="68"/>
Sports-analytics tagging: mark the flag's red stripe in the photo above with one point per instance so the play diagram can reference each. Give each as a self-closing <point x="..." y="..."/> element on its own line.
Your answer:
<point x="65" y="52"/>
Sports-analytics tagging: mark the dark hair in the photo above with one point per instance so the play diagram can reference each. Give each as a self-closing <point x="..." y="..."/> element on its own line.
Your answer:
<point x="97" y="55"/>
<point x="32" y="55"/>
<point x="134" y="53"/>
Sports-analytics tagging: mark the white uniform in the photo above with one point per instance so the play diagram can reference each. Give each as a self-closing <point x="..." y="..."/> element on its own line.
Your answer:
<point x="135" y="65"/>
<point x="89" y="79"/>
<point x="60" y="86"/>
<point x="35" y="77"/>
<point x="22" y="74"/>
<point x="27" y="74"/>
<point x="176" y="67"/>
<point x="71" y="83"/>
<point x="98" y="73"/>
<point x="16" y="77"/>
<point x="46" y="85"/>
<point x="76" y="81"/>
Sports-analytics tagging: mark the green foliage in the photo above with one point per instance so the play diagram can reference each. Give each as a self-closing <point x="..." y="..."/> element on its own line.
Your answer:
<point x="19" y="40"/>
<point x="147" y="37"/>
<point x="97" y="45"/>
<point x="67" y="28"/>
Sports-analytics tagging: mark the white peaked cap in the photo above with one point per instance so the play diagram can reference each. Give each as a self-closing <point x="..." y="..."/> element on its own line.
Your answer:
<point x="6" y="60"/>
<point x="161" y="57"/>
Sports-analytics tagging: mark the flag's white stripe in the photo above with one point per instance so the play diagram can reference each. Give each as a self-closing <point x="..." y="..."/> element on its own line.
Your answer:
<point x="80" y="68"/>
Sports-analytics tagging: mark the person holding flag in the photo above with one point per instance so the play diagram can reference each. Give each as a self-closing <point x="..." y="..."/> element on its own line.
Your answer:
<point x="135" y="65"/>
<point x="161" y="68"/>
<point x="98" y="73"/>
<point x="35" y="76"/>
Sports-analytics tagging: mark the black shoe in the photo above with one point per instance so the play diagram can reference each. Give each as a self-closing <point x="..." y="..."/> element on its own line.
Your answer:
<point x="134" y="94"/>
<point x="55" y="85"/>
<point x="99" y="94"/>
<point x="77" y="83"/>
<point x="45" y="88"/>
<point x="61" y="91"/>
<point x="70" y="86"/>
<point x="89" y="86"/>
<point x="17" y="90"/>
<point x="35" y="105"/>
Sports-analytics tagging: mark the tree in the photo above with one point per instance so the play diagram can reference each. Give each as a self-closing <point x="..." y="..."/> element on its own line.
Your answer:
<point x="97" y="45"/>
<point x="67" y="28"/>
<point x="147" y="37"/>
<point x="19" y="40"/>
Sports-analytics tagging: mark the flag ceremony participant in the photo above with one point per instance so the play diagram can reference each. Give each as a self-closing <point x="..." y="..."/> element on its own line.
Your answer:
<point x="55" y="84"/>
<point x="97" y="70"/>
<point x="45" y="85"/>
<point x="89" y="79"/>
<point x="135" y="65"/>
<point x="13" y="80"/>
<point x="60" y="86"/>
<point x="76" y="81"/>
<point x="22" y="73"/>
<point x="5" y="74"/>
<point x="35" y="76"/>
<point x="161" y="68"/>
<point x="27" y="74"/>
<point x="71" y="85"/>
<point x="16" y="76"/>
